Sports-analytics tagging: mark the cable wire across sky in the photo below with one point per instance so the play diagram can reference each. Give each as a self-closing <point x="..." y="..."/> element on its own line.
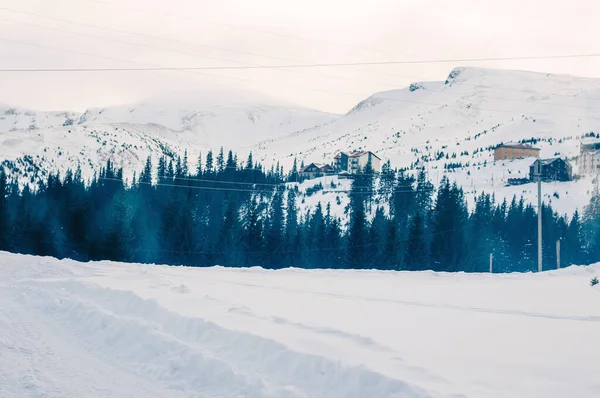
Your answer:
<point x="297" y="66"/>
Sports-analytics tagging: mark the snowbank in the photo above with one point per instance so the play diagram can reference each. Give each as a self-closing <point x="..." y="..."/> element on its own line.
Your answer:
<point x="219" y="332"/>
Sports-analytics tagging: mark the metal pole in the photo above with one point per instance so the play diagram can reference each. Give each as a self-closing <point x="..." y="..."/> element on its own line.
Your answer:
<point x="491" y="262"/>
<point x="539" y="223"/>
<point x="558" y="254"/>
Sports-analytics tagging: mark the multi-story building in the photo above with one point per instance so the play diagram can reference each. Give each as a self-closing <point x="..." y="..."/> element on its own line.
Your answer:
<point x="555" y="169"/>
<point x="589" y="156"/>
<point x="340" y="162"/>
<point x="515" y="151"/>
<point x="358" y="161"/>
<point x="315" y="170"/>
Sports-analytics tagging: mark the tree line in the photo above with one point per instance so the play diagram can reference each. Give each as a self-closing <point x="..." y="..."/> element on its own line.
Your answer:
<point x="232" y="213"/>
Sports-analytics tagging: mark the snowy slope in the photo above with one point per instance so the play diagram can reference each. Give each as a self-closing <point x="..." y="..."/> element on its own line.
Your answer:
<point x="107" y="329"/>
<point x="425" y="125"/>
<point x="213" y="119"/>
<point x="53" y="141"/>
<point x="473" y="110"/>
<point x="51" y="149"/>
<point x="15" y="119"/>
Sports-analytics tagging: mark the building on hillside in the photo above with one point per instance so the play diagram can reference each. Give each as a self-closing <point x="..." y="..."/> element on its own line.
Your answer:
<point x="340" y="162"/>
<point x="358" y="161"/>
<point x="315" y="170"/>
<point x="515" y="151"/>
<point x="517" y="181"/>
<point x="555" y="169"/>
<point x="589" y="156"/>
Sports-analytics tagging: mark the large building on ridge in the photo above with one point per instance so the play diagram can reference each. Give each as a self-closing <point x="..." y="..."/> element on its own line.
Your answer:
<point x="515" y="151"/>
<point x="355" y="162"/>
<point x="589" y="156"/>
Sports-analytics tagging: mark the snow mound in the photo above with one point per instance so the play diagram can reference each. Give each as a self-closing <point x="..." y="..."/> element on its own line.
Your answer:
<point x="113" y="329"/>
<point x="192" y="355"/>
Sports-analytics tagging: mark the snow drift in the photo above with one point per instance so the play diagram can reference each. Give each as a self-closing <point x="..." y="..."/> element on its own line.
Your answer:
<point x="108" y="329"/>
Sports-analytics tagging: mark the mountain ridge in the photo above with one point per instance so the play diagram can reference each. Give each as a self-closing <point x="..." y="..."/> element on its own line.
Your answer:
<point x="427" y="125"/>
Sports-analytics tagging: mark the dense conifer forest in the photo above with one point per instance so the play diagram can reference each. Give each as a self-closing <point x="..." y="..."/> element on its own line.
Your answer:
<point x="231" y="213"/>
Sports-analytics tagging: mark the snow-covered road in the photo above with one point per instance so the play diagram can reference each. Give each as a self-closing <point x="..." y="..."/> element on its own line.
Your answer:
<point x="120" y="330"/>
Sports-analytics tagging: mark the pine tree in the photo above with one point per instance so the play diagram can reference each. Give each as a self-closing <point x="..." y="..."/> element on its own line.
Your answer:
<point x="416" y="248"/>
<point x="357" y="237"/>
<point x="274" y="235"/>
<point x="120" y="234"/>
<point x="227" y="246"/>
<point x="209" y="163"/>
<point x="424" y="194"/>
<point x="170" y="171"/>
<point x="185" y="170"/>
<point x="199" y="166"/>
<point x="252" y="238"/>
<point x="334" y="248"/>
<point x="387" y="179"/>
<point x="393" y="254"/>
<point x="448" y="246"/>
<point x="293" y="177"/>
<point x="178" y="168"/>
<point x="146" y="175"/>
<point x="221" y="161"/>
<point x="403" y="199"/>
<point x="162" y="169"/>
<point x="316" y="238"/>
<point x="4" y="216"/>
<point x="574" y="250"/>
<point x="249" y="162"/>
<point x="481" y="237"/>
<point x="230" y="165"/>
<point x="591" y="221"/>
<point x="291" y="229"/>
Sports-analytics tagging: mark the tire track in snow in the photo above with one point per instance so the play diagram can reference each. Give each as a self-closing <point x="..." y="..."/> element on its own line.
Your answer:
<point x="191" y="354"/>
<point x="414" y="303"/>
<point x="41" y="362"/>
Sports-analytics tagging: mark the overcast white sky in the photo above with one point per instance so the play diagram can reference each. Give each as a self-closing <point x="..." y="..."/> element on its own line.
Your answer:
<point x="229" y="32"/>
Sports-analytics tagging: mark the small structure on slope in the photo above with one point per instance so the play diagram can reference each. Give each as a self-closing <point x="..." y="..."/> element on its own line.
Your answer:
<point x="555" y="169"/>
<point x="515" y="151"/>
<point x="315" y="170"/>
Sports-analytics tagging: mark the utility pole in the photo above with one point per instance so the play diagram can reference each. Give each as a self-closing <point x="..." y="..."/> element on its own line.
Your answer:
<point x="491" y="263"/>
<point x="558" y="254"/>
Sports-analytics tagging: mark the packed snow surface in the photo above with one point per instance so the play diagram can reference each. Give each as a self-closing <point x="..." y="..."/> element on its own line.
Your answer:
<point x="105" y="329"/>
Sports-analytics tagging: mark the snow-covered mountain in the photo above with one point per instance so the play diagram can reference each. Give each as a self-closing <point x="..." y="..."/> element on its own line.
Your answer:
<point x="127" y="134"/>
<point x="429" y="124"/>
<point x="459" y="121"/>
<point x="213" y="120"/>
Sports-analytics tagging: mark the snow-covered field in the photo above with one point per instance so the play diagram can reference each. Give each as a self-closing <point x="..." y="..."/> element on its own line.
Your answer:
<point x="121" y="330"/>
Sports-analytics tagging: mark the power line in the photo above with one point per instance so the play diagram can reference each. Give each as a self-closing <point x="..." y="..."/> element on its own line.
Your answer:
<point x="178" y="41"/>
<point x="165" y="49"/>
<point x="238" y="51"/>
<point x="162" y="184"/>
<point x="262" y="190"/>
<point x="190" y="71"/>
<point x="315" y="65"/>
<point x="194" y="19"/>
<point x="262" y="31"/>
